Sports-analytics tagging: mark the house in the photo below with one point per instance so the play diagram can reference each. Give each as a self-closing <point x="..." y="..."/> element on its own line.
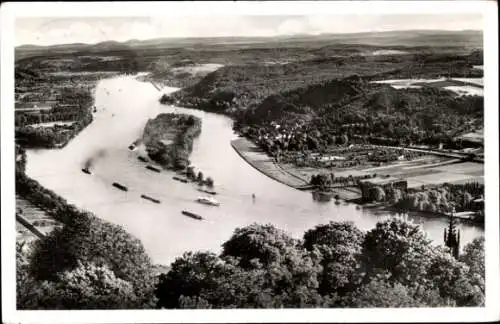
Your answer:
<point x="385" y="183"/>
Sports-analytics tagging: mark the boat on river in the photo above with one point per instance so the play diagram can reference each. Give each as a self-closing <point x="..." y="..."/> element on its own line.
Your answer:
<point x="120" y="186"/>
<point x="192" y="215"/>
<point x="208" y="201"/>
<point x="86" y="170"/>
<point x="150" y="199"/>
<point x="142" y="158"/>
<point x="152" y="168"/>
<point x="207" y="191"/>
<point x="180" y="179"/>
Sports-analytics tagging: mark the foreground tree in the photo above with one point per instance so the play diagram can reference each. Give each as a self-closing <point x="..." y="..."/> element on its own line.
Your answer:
<point x="86" y="287"/>
<point x="262" y="242"/>
<point x="203" y="280"/>
<point x="336" y="265"/>
<point x="451" y="279"/>
<point x="379" y="293"/>
<point x="340" y="246"/>
<point x="473" y="256"/>
<point x="86" y="240"/>
<point x="397" y="246"/>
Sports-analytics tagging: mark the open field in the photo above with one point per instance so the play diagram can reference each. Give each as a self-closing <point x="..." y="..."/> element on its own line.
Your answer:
<point x="37" y="217"/>
<point x="424" y="170"/>
<point x="461" y="86"/>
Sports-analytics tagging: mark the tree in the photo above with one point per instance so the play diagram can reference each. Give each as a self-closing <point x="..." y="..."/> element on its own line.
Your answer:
<point x="209" y="182"/>
<point x="466" y="200"/>
<point x="452" y="237"/>
<point x="474" y="257"/>
<point x="321" y="181"/>
<point x="450" y="278"/>
<point x="88" y="239"/>
<point x="340" y="246"/>
<point x="187" y="277"/>
<point x="203" y="280"/>
<point x="262" y="242"/>
<point x="190" y="174"/>
<point x="200" y="177"/>
<point x="377" y="193"/>
<point x="86" y="287"/>
<point x="380" y="293"/>
<point x="394" y="195"/>
<point x="397" y="246"/>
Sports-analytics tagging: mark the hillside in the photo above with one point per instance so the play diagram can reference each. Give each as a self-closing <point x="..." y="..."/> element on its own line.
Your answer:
<point x="234" y="88"/>
<point x="305" y="100"/>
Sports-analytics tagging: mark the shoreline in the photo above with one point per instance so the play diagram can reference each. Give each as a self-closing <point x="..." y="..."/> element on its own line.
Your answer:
<point x="245" y="148"/>
<point x="267" y="166"/>
<point x="242" y="145"/>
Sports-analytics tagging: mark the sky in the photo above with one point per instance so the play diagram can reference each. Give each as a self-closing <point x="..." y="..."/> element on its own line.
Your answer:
<point x="49" y="31"/>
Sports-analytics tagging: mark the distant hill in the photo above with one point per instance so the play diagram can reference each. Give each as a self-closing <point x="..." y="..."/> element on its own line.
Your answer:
<point x="410" y="38"/>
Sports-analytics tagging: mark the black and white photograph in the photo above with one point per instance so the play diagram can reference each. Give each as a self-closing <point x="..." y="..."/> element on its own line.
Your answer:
<point x="243" y="156"/>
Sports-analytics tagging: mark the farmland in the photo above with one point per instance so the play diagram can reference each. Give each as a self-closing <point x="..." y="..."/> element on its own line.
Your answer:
<point x="37" y="217"/>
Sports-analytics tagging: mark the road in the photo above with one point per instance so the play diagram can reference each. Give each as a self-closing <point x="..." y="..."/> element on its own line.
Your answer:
<point x="454" y="155"/>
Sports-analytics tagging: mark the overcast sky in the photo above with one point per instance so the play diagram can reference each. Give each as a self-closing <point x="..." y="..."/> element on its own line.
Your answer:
<point x="47" y="31"/>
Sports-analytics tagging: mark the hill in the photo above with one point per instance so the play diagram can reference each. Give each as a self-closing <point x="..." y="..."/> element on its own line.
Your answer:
<point x="233" y="89"/>
<point x="414" y="38"/>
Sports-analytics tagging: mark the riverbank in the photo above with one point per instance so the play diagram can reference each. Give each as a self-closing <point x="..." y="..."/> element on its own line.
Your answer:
<point x="258" y="159"/>
<point x="463" y="217"/>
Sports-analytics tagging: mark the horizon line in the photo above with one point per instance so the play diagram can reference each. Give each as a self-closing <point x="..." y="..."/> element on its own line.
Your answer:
<point x="255" y="37"/>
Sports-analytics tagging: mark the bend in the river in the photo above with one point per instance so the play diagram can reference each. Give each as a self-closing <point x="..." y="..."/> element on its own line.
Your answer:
<point x="124" y="105"/>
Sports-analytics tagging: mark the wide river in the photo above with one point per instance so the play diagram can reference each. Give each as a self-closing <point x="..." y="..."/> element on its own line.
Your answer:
<point x="123" y="107"/>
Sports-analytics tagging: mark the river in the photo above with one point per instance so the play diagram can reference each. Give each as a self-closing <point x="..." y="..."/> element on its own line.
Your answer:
<point x="123" y="107"/>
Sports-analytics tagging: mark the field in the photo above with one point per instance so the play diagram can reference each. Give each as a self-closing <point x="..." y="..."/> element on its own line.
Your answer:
<point x="423" y="170"/>
<point x="37" y="217"/>
<point x="461" y="86"/>
<point x="432" y="170"/>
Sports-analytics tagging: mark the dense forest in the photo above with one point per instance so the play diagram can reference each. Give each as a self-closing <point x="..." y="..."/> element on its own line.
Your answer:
<point x="235" y="87"/>
<point x="335" y="265"/>
<point x="334" y="96"/>
<point x="366" y="113"/>
<point x="87" y="264"/>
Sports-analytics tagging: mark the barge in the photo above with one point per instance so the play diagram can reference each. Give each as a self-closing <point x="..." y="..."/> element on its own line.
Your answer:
<point x="120" y="186"/>
<point x="192" y="215"/>
<point x="180" y="179"/>
<point x="207" y="191"/>
<point x="208" y="201"/>
<point x="150" y="199"/>
<point x="152" y="168"/>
